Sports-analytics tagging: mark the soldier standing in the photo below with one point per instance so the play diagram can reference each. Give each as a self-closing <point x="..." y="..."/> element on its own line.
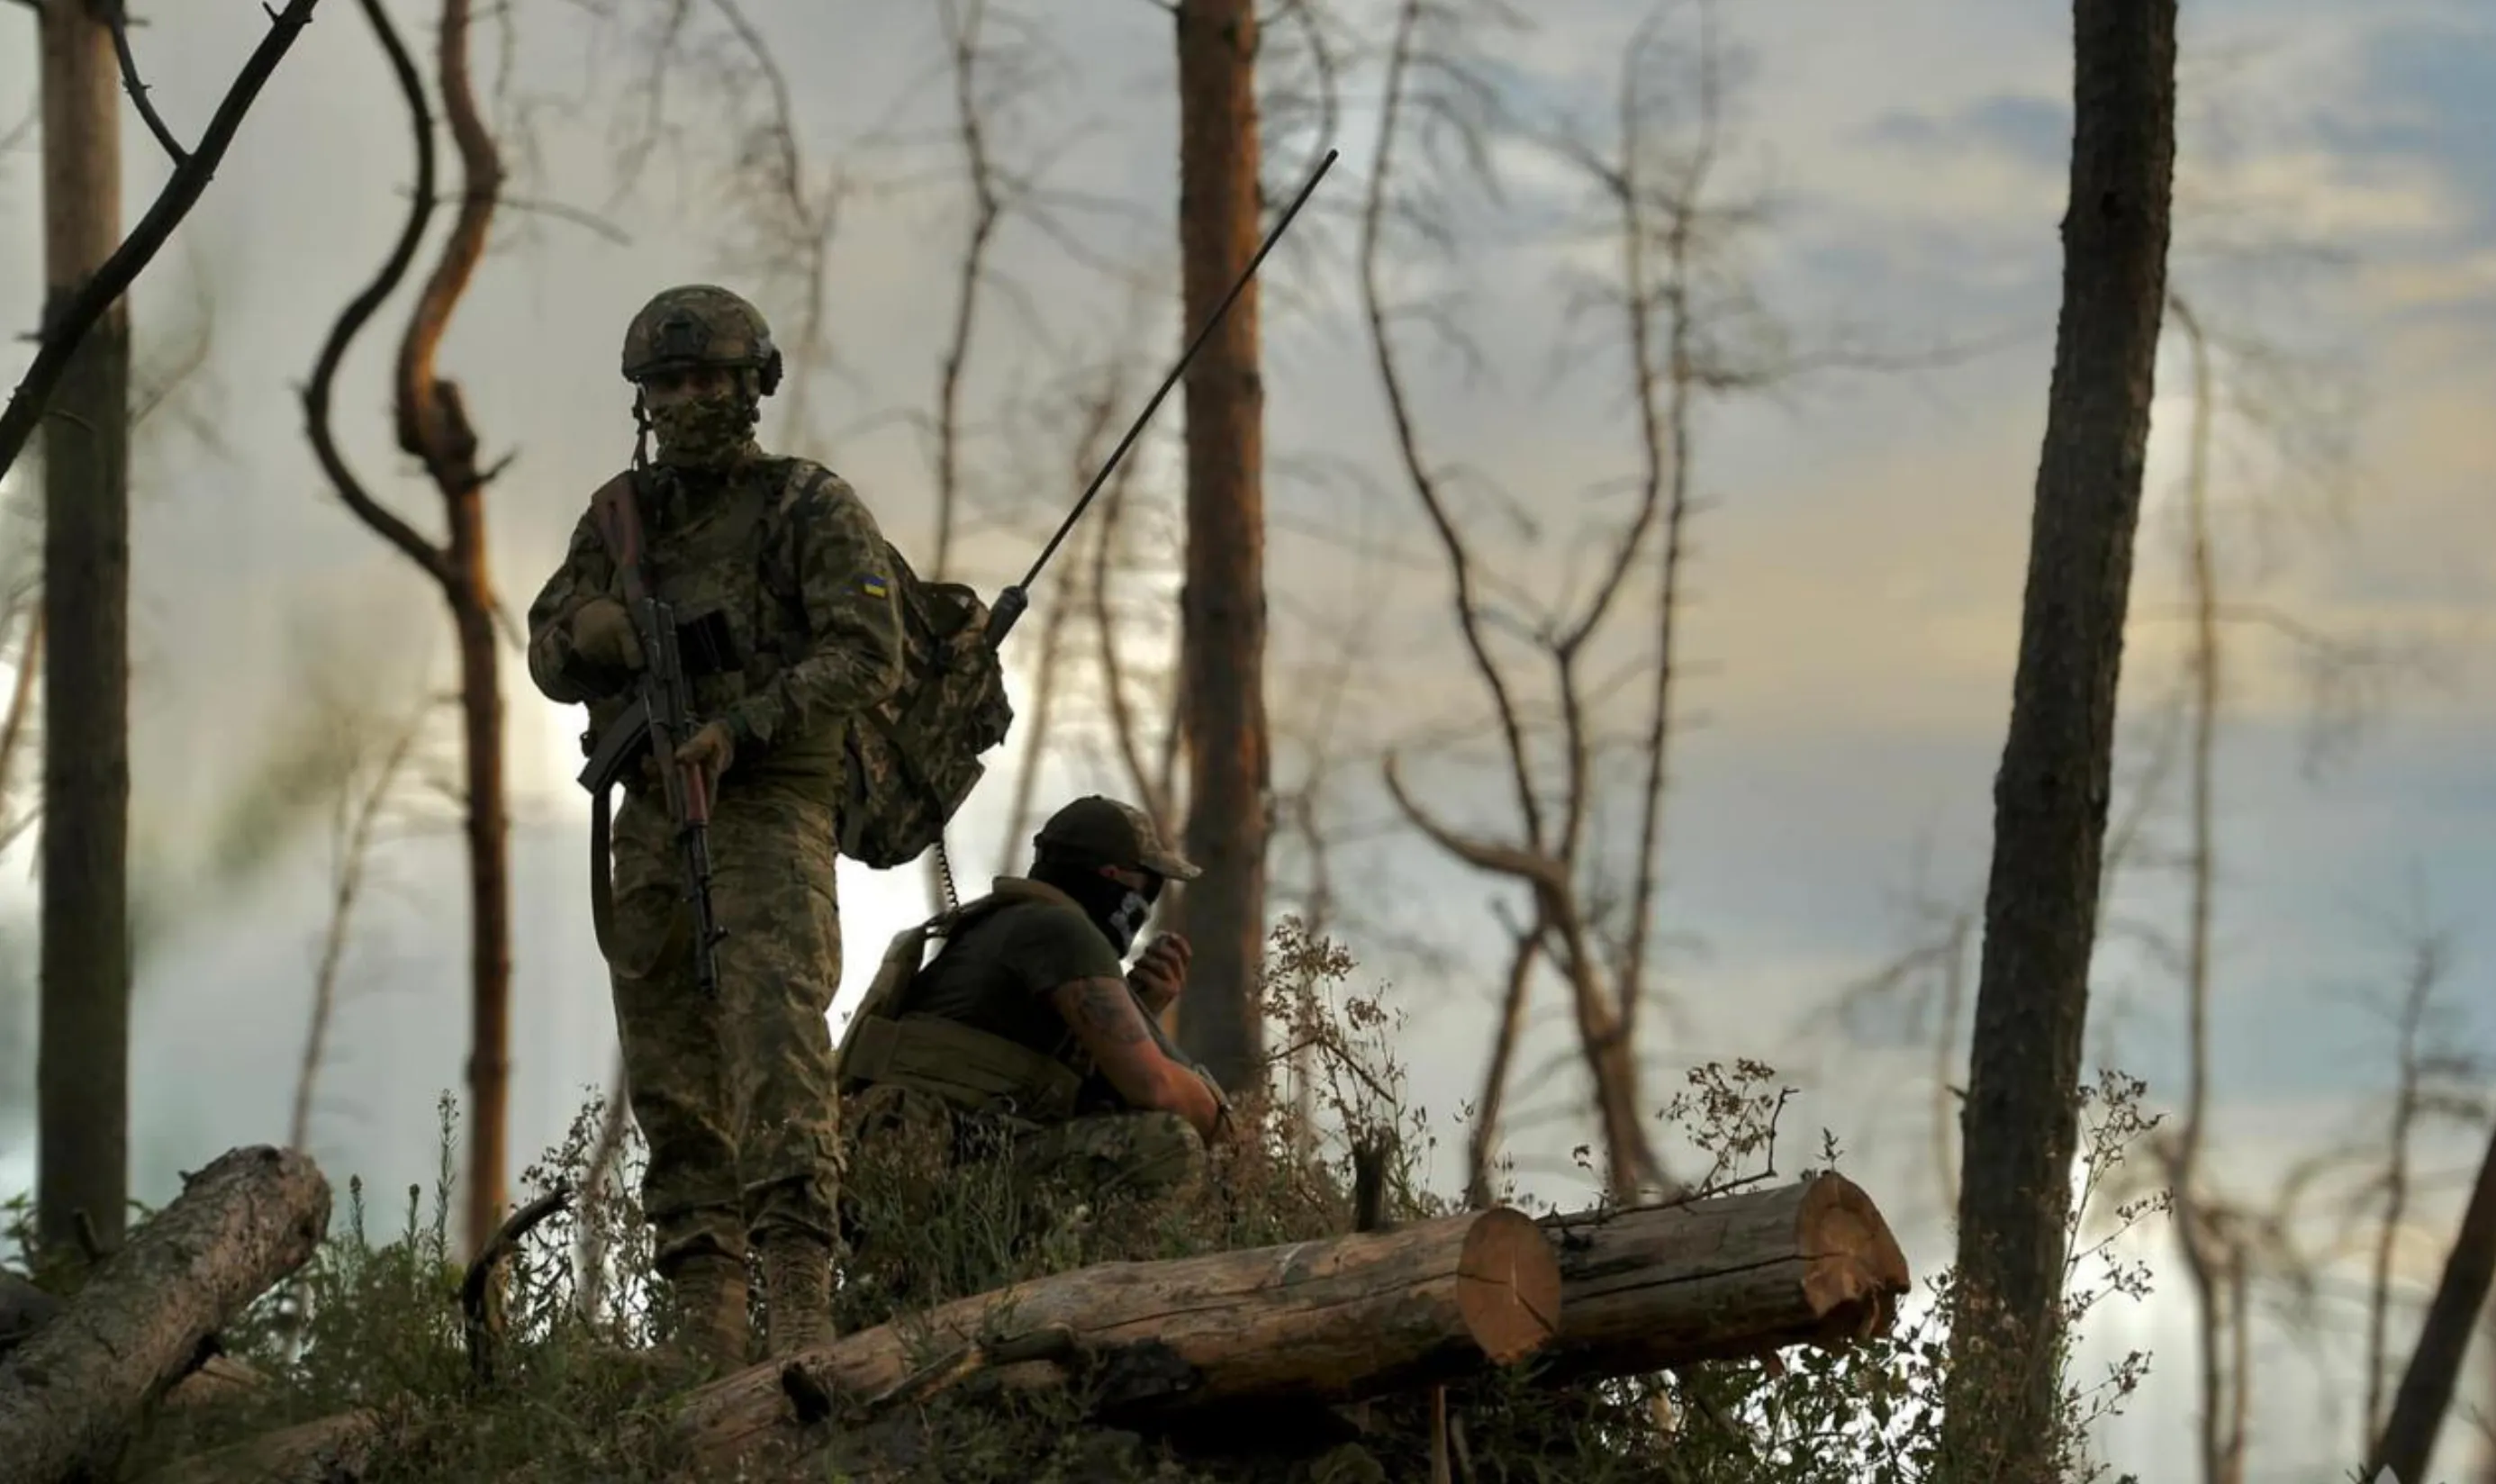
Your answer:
<point x="787" y="624"/>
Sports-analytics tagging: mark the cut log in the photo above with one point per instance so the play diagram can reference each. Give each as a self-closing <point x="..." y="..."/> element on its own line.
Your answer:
<point x="72" y="1392"/>
<point x="1730" y="1276"/>
<point x="1332" y="1320"/>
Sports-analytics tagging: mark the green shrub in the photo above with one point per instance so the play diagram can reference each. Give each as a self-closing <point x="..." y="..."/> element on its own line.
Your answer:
<point x="374" y="1321"/>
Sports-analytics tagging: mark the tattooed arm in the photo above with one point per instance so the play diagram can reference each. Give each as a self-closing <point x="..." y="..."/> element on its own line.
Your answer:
<point x="1102" y="1013"/>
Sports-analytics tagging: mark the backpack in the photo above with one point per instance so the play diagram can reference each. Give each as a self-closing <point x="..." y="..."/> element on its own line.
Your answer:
<point x="915" y="755"/>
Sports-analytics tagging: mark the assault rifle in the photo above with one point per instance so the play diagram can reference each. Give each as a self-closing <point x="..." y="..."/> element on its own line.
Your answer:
<point x="659" y="721"/>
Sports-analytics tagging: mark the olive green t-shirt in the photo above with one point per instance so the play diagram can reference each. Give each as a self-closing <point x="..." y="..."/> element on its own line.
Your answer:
<point x="998" y="974"/>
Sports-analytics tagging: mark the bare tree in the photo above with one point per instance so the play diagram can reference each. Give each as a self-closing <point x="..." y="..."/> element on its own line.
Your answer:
<point x="778" y="214"/>
<point x="433" y="426"/>
<point x="1687" y="330"/>
<point x="82" y="1059"/>
<point x="357" y="813"/>
<point x="2425" y="1393"/>
<point x="2021" y="1118"/>
<point x="1223" y="601"/>
<point x="1095" y="408"/>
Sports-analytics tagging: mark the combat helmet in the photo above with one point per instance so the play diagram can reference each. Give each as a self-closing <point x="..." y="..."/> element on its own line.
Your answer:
<point x="701" y="324"/>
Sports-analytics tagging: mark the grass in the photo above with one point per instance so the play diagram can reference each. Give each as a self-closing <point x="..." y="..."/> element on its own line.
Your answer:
<point x="373" y="1321"/>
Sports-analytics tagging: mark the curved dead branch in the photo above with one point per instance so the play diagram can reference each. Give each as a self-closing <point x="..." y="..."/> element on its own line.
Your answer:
<point x="432" y="421"/>
<point x="478" y="1323"/>
<point x="351" y="320"/>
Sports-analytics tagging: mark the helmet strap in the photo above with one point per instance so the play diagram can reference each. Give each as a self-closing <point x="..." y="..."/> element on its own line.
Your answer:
<point x="641" y="431"/>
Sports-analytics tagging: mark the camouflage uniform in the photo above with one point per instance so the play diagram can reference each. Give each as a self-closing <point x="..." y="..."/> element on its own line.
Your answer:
<point x="779" y="577"/>
<point x="976" y="1035"/>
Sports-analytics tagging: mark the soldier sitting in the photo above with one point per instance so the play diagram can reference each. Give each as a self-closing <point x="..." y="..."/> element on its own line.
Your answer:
<point x="1026" y="1035"/>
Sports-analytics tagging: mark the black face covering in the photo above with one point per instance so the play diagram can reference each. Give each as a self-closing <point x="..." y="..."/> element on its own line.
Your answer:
<point x="1116" y="910"/>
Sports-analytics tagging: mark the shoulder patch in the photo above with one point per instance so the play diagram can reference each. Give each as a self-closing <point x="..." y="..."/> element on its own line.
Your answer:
<point x="874" y="585"/>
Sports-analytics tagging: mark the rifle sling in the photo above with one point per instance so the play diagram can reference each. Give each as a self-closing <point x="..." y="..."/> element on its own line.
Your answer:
<point x="601" y="881"/>
<point x="619" y="528"/>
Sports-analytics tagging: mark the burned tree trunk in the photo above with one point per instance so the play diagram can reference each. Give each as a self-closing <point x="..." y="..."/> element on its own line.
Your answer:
<point x="71" y="1392"/>
<point x="82" y="1064"/>
<point x="1222" y="685"/>
<point x="2426" y="1387"/>
<point x="2050" y="796"/>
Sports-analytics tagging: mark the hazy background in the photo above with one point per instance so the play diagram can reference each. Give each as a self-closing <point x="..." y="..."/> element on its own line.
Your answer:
<point x="1856" y="583"/>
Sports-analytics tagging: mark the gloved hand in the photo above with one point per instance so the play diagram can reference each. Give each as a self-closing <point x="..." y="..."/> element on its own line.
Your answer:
<point x="1161" y="971"/>
<point x="711" y="749"/>
<point x="602" y="633"/>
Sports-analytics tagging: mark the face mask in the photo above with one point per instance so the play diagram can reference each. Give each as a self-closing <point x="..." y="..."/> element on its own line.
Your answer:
<point x="1126" y="920"/>
<point x="703" y="433"/>
<point x="1117" y="910"/>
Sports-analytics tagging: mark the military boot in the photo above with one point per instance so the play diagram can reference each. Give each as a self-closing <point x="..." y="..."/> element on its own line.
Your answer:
<point x="712" y="1330"/>
<point x="796" y="1291"/>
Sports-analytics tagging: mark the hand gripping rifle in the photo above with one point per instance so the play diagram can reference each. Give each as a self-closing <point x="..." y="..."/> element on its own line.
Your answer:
<point x="659" y="721"/>
<point x="1010" y="603"/>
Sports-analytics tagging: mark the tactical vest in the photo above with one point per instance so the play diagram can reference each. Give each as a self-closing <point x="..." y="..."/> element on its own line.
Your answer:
<point x="972" y="1070"/>
<point x="723" y="569"/>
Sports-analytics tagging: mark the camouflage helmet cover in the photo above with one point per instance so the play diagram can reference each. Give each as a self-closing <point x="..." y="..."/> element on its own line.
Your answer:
<point x="701" y="324"/>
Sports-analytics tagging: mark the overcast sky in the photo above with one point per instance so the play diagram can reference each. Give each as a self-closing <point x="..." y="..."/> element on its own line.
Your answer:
<point x="1855" y="578"/>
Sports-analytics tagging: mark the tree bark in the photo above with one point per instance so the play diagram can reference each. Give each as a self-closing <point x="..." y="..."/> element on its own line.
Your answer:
<point x="1222" y="693"/>
<point x="2443" y="1340"/>
<point x="2020" y="1120"/>
<point x="26" y="1309"/>
<point x="23" y="1310"/>
<point x="82" y="1064"/>
<point x="71" y="1393"/>
<point x="326" y="1450"/>
<point x="1329" y="1321"/>
<point x="1728" y="1277"/>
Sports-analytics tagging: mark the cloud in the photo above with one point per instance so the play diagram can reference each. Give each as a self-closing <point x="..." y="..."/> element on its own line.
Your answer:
<point x="2033" y="133"/>
<point x="2428" y="95"/>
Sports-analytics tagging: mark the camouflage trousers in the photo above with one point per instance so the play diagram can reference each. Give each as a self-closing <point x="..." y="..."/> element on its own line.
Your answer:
<point x="1126" y="1157"/>
<point x="735" y="1096"/>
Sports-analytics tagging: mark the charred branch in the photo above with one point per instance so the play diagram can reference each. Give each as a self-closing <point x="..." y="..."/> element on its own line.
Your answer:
<point x="64" y="329"/>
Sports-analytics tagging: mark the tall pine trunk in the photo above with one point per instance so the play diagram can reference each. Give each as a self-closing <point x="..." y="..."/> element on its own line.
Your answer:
<point x="1222" y="695"/>
<point x="2020" y="1122"/>
<point x="83" y="1058"/>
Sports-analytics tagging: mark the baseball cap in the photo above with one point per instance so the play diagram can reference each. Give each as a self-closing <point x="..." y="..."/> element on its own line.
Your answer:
<point x="1114" y="834"/>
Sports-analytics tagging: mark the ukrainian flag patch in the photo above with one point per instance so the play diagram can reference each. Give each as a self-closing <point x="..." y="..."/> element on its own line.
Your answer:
<point x="874" y="586"/>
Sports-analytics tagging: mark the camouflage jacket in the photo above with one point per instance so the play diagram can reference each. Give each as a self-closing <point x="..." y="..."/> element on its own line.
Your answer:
<point x="784" y="594"/>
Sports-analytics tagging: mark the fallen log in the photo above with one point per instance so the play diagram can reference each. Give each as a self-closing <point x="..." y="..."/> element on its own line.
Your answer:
<point x="1730" y="1277"/>
<point x="1314" y="1321"/>
<point x="23" y="1310"/>
<point x="323" y="1451"/>
<point x="72" y="1392"/>
<point x="1581" y="1295"/>
<point x="25" y="1307"/>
